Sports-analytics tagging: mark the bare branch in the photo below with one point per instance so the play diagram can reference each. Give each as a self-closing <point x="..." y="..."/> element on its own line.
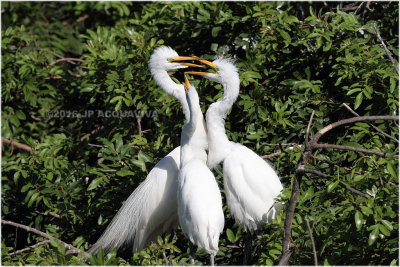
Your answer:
<point x="287" y="247"/>
<point x="139" y="122"/>
<point x="386" y="50"/>
<point x="351" y="189"/>
<point x="272" y="155"/>
<point x="29" y="248"/>
<point x="355" y="149"/>
<point x="68" y="59"/>
<point x="373" y="126"/>
<point x="16" y="144"/>
<point x="165" y="258"/>
<point x="33" y="230"/>
<point x="304" y="170"/>
<point x="355" y="191"/>
<point x="52" y="214"/>
<point x="326" y="129"/>
<point x="308" y="127"/>
<point x="312" y="243"/>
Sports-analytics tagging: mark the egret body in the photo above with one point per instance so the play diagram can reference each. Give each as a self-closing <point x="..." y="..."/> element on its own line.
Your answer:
<point x="250" y="183"/>
<point x="152" y="208"/>
<point x="199" y="199"/>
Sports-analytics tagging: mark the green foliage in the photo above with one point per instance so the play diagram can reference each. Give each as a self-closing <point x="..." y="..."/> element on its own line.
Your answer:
<point x="70" y="69"/>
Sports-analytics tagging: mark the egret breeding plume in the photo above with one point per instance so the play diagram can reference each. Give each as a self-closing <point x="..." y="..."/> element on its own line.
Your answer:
<point x="250" y="183"/>
<point x="199" y="199"/>
<point x="152" y="208"/>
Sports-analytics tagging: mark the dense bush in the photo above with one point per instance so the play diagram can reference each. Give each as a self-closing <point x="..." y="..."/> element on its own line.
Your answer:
<point x="63" y="60"/>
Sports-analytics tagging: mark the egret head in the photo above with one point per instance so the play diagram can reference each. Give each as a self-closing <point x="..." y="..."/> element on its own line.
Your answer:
<point x="165" y="58"/>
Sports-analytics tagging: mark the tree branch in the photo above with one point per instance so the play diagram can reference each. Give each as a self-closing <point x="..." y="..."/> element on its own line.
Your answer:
<point x="16" y="144"/>
<point x="33" y="230"/>
<point x="301" y="171"/>
<point x="68" y="59"/>
<point x="331" y="126"/>
<point x="386" y="50"/>
<point x="287" y="247"/>
<point x="355" y="149"/>
<point x="355" y="191"/>
<point x="370" y="124"/>
<point x="29" y="248"/>
<point x="312" y="243"/>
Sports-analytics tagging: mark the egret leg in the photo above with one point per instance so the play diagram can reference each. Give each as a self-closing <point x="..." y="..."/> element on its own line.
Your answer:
<point x="192" y="249"/>
<point x="247" y="248"/>
<point x="211" y="260"/>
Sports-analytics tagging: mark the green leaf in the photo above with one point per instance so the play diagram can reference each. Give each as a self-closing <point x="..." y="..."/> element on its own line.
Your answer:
<point x="373" y="236"/>
<point x="230" y="235"/>
<point x="215" y="31"/>
<point x="332" y="186"/>
<point x="139" y="164"/>
<point x="95" y="183"/>
<point x="366" y="210"/>
<point x="125" y="172"/>
<point x="359" y="100"/>
<point x="143" y="157"/>
<point x="384" y="230"/>
<point x="387" y="224"/>
<point x="358" y="220"/>
<point x="391" y="170"/>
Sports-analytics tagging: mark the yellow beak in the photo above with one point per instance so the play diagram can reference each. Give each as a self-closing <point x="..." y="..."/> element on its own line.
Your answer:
<point x="209" y="63"/>
<point x="201" y="73"/>
<point x="181" y="58"/>
<point x="202" y="60"/>
<point x="186" y="84"/>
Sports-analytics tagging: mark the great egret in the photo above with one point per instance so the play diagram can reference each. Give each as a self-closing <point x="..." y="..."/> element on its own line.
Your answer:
<point x="199" y="199"/>
<point x="250" y="183"/>
<point x="152" y="208"/>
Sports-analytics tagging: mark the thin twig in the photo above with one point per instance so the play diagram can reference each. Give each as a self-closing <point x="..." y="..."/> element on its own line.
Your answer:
<point x="92" y="132"/>
<point x="355" y="191"/>
<point x="386" y="50"/>
<point x="355" y="12"/>
<point x="335" y="165"/>
<point x="351" y="189"/>
<point x="139" y="122"/>
<point x="304" y="170"/>
<point x="16" y="144"/>
<point x="68" y="59"/>
<point x="33" y="230"/>
<point x="52" y="214"/>
<point x="165" y="258"/>
<point x="308" y="127"/>
<point x="28" y="248"/>
<point x="312" y="243"/>
<point x="373" y="126"/>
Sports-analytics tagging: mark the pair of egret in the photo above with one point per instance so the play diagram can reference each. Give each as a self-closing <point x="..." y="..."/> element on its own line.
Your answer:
<point x="181" y="188"/>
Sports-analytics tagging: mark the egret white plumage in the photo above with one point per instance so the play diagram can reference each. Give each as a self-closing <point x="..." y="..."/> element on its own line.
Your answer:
<point x="152" y="208"/>
<point x="250" y="183"/>
<point x="199" y="199"/>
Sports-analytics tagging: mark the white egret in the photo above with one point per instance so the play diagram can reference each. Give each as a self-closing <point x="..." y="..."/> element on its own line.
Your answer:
<point x="152" y="208"/>
<point x="250" y="183"/>
<point x="199" y="199"/>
